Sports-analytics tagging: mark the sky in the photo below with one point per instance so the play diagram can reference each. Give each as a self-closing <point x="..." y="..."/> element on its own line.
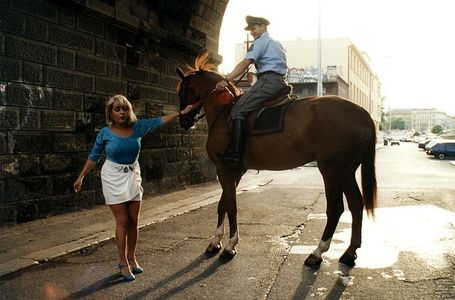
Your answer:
<point x="411" y="43"/>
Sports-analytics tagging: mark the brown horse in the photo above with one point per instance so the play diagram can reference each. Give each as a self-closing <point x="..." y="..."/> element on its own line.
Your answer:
<point x="335" y="132"/>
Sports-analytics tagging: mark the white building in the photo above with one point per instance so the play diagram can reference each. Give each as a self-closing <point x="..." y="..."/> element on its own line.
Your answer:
<point x="421" y="120"/>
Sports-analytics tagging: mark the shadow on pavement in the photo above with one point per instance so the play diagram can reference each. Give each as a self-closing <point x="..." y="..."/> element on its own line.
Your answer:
<point x="308" y="278"/>
<point x="340" y="285"/>
<point x="211" y="269"/>
<point x="96" y="287"/>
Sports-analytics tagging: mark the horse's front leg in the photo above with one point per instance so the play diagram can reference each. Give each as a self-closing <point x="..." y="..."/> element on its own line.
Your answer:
<point x="229" y="184"/>
<point x="215" y="243"/>
<point x="229" y="250"/>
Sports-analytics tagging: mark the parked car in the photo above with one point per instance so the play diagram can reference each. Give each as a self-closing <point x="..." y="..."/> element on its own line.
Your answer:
<point x="427" y="141"/>
<point x="394" y="142"/>
<point x="423" y="143"/>
<point x="443" y="149"/>
<point x="431" y="144"/>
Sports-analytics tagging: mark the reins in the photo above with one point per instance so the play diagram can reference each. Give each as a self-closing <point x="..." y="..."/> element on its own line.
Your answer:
<point x="200" y="102"/>
<point x="197" y="118"/>
<point x="243" y="75"/>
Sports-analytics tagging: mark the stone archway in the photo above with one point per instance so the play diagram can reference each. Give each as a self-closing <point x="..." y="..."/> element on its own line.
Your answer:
<point x="193" y="25"/>
<point x="59" y="63"/>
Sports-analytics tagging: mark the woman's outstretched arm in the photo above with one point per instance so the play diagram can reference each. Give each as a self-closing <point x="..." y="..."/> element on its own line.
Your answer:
<point x="173" y="116"/>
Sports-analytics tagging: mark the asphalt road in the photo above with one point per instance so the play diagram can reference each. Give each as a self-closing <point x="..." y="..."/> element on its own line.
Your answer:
<point x="408" y="251"/>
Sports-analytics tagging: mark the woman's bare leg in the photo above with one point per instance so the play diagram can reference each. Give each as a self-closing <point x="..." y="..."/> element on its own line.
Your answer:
<point x="133" y="231"/>
<point x="120" y="212"/>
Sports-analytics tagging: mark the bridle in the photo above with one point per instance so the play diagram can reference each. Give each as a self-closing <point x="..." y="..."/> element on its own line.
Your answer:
<point x="197" y="106"/>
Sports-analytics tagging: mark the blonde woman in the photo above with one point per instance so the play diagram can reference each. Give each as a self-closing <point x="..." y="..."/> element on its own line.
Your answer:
<point x="121" y="174"/>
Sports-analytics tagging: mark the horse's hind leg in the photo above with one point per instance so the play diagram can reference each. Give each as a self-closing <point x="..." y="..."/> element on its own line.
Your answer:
<point x="355" y="204"/>
<point x="334" y="195"/>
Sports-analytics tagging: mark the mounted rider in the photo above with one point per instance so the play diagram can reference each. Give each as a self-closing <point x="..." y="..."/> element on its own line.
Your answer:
<point x="269" y="58"/>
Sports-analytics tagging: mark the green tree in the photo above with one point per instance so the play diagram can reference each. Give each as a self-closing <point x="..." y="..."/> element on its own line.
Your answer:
<point x="437" y="129"/>
<point x="398" y="123"/>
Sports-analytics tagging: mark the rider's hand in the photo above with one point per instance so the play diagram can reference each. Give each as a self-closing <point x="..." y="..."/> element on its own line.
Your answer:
<point x="221" y="85"/>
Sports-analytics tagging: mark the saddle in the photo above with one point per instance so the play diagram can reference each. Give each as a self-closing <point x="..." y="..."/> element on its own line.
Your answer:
<point x="269" y="118"/>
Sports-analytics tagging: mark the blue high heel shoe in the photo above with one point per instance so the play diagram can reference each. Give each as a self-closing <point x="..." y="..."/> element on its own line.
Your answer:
<point x="127" y="277"/>
<point x="137" y="269"/>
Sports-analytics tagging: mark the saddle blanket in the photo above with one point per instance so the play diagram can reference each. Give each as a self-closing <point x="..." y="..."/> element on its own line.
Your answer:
<point x="270" y="120"/>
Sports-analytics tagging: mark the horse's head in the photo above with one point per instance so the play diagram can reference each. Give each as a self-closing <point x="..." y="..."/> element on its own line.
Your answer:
<point x="196" y="86"/>
<point x="189" y="94"/>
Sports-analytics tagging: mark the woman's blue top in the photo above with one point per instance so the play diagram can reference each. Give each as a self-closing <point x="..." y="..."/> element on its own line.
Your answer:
<point x="123" y="150"/>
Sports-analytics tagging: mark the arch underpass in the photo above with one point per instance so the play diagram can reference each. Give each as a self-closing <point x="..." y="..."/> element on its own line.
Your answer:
<point x="59" y="63"/>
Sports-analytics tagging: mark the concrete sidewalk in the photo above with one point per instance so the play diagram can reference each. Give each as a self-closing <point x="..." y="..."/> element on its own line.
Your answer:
<point x="36" y="242"/>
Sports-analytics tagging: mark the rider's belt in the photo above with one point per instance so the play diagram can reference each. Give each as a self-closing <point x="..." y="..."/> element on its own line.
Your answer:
<point x="268" y="72"/>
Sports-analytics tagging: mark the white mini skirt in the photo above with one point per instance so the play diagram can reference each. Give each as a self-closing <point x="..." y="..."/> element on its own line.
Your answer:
<point x="121" y="183"/>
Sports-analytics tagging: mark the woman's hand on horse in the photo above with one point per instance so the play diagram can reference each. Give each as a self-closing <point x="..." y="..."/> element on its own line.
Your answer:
<point x="221" y="85"/>
<point x="186" y="110"/>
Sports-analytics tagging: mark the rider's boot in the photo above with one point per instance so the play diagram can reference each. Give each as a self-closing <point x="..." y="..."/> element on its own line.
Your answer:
<point x="234" y="151"/>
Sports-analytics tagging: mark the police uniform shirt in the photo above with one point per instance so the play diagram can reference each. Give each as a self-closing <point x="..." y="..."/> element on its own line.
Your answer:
<point x="267" y="55"/>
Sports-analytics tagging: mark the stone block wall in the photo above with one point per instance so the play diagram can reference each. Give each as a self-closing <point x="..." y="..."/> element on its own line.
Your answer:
<point x="59" y="63"/>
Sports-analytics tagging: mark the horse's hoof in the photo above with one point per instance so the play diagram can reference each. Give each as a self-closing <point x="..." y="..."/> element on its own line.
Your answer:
<point x="213" y="249"/>
<point x="348" y="259"/>
<point x="226" y="255"/>
<point x="313" y="261"/>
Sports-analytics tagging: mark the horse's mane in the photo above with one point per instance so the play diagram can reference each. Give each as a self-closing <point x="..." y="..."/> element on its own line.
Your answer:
<point x="201" y="64"/>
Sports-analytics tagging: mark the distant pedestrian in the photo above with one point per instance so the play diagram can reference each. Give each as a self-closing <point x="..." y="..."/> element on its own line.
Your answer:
<point x="121" y="174"/>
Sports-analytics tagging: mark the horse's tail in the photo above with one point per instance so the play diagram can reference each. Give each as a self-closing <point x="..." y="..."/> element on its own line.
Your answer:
<point x="369" y="185"/>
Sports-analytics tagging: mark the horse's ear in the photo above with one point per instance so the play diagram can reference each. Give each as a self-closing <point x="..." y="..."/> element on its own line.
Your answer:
<point x="180" y="73"/>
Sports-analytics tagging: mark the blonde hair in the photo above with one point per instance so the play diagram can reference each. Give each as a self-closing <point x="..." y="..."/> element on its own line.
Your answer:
<point x="131" y="118"/>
